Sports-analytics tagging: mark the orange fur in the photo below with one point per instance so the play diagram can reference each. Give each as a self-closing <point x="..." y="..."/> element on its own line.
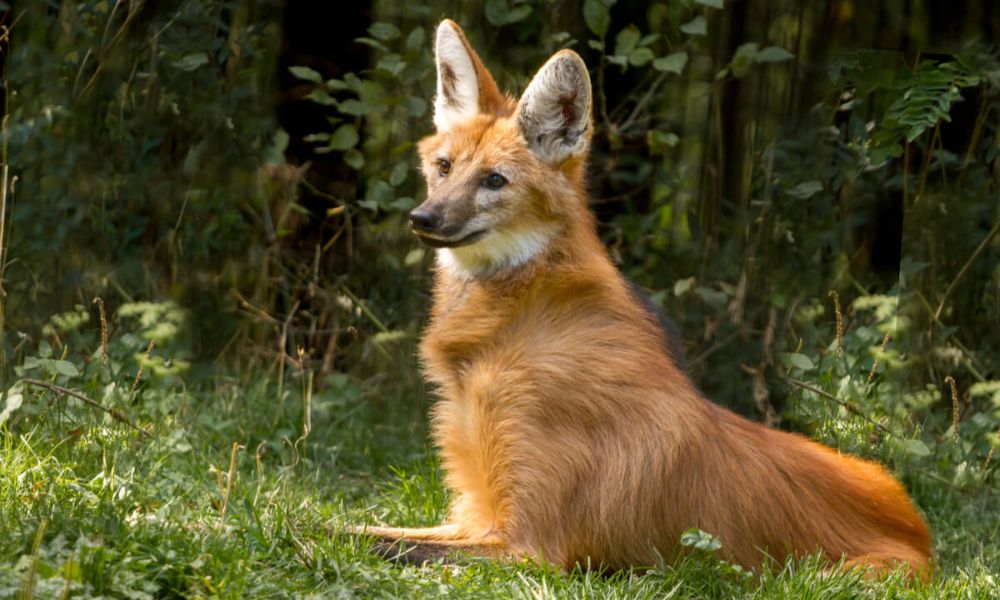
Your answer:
<point x="566" y="430"/>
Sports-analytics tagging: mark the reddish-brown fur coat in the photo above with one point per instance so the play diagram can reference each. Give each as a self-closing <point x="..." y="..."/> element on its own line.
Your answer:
<point x="566" y="430"/>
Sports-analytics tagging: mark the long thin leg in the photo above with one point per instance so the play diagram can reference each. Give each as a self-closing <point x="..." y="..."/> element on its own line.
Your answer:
<point x="440" y="532"/>
<point x="420" y="552"/>
<point x="428" y="544"/>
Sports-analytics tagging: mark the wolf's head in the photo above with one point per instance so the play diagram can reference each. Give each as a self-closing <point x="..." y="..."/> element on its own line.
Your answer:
<point x="503" y="177"/>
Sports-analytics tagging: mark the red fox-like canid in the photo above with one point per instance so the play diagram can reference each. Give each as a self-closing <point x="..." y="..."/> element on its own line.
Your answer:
<point x="568" y="430"/>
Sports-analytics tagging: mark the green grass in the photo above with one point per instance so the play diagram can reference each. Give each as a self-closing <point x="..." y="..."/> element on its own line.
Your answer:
<point x="90" y="508"/>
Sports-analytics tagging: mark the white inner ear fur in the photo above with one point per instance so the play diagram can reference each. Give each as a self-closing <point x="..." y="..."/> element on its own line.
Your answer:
<point x="457" y="96"/>
<point x="554" y="112"/>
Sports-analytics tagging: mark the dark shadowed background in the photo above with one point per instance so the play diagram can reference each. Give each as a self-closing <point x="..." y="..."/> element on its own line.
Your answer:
<point x="253" y="163"/>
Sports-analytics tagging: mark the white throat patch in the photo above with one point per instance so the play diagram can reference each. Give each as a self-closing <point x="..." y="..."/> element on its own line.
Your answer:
<point x="498" y="250"/>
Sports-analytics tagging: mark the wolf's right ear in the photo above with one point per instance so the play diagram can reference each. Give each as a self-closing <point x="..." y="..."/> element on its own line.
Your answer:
<point x="554" y="112"/>
<point x="464" y="87"/>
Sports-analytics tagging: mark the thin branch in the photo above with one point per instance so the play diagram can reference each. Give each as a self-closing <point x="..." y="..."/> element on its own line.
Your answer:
<point x="602" y="98"/>
<point x="854" y="410"/>
<point x="641" y="104"/>
<point x="970" y="357"/>
<point x="965" y="268"/>
<point x="117" y="416"/>
<point x="712" y="349"/>
<point x="357" y="302"/>
<point x="259" y="312"/>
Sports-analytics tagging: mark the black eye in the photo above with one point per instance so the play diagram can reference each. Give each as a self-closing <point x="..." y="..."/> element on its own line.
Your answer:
<point x="444" y="166"/>
<point x="495" y="181"/>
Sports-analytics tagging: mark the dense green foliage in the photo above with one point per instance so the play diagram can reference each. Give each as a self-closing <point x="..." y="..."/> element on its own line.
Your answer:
<point x="821" y="220"/>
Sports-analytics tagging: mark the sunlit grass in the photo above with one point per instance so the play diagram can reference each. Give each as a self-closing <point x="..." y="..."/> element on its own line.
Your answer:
<point x="88" y="508"/>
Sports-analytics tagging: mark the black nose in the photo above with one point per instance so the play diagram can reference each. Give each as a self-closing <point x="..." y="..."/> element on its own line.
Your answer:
<point x="422" y="219"/>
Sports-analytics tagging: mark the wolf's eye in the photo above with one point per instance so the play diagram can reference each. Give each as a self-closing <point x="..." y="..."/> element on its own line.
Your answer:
<point x="495" y="181"/>
<point x="444" y="166"/>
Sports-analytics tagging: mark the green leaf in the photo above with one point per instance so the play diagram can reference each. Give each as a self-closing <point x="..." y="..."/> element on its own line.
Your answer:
<point x="711" y="296"/>
<point x="354" y="159"/>
<point x="415" y="41"/>
<point x="696" y="26"/>
<point x="681" y="286"/>
<point x="672" y="63"/>
<point x="336" y="85"/>
<point x="519" y="13"/>
<point x="367" y="41"/>
<point x="806" y="189"/>
<point x="404" y="204"/>
<point x="626" y="40"/>
<point x="399" y="173"/>
<point x="668" y="139"/>
<point x="618" y="59"/>
<point x="381" y="193"/>
<point x="64" y="367"/>
<point x="346" y="136"/>
<point x="384" y="31"/>
<point x="640" y="57"/>
<point x="14" y="400"/>
<point x="274" y="154"/>
<point x="710" y="3"/>
<point x="701" y="540"/>
<point x="744" y="57"/>
<point x="353" y="82"/>
<point x="915" y="447"/>
<point x="307" y="74"/>
<point x="496" y="11"/>
<point x="393" y="64"/>
<point x="191" y="62"/>
<point x="659" y="141"/>
<point x="914" y="132"/>
<point x="320" y="96"/>
<point x="414" y="257"/>
<point x="774" y="54"/>
<point x="560" y="38"/>
<point x="500" y="12"/>
<point x="648" y="39"/>
<point x="799" y="361"/>
<point x="353" y="107"/>
<point x="597" y="15"/>
<point x="415" y="105"/>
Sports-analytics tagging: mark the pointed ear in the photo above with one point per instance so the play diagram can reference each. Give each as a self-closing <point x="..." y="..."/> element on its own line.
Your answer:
<point x="464" y="87"/>
<point x="554" y="112"/>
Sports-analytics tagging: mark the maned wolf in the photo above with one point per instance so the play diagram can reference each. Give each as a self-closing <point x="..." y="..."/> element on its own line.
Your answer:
<point x="567" y="429"/>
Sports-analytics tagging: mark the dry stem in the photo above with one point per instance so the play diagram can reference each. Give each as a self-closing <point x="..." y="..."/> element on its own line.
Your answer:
<point x="114" y="414"/>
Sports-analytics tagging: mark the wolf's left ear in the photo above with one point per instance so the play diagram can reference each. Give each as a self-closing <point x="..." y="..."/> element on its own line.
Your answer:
<point x="464" y="87"/>
<point x="554" y="112"/>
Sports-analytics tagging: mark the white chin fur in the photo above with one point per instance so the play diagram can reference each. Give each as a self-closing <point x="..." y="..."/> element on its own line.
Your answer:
<point x="498" y="250"/>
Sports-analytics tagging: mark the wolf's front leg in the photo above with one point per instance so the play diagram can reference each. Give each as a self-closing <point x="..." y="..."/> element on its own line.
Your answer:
<point x="428" y="544"/>
<point x="438" y="533"/>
